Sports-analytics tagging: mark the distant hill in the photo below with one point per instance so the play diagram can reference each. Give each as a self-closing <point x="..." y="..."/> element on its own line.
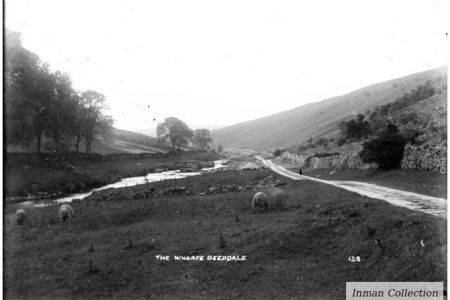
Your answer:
<point x="320" y="118"/>
<point x="128" y="142"/>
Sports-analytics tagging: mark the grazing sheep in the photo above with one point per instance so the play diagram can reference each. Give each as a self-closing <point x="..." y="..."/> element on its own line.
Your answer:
<point x="65" y="212"/>
<point x="20" y="216"/>
<point x="277" y="197"/>
<point x="260" y="201"/>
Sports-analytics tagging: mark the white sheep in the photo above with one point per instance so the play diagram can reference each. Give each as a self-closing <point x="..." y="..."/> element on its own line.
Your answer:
<point x="65" y="212"/>
<point x="277" y="197"/>
<point x="260" y="201"/>
<point x="21" y="215"/>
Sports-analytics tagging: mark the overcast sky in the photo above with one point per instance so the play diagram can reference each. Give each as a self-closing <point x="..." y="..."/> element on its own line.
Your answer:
<point x="224" y="62"/>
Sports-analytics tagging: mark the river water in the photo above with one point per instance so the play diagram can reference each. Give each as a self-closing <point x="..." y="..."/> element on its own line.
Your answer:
<point x="126" y="182"/>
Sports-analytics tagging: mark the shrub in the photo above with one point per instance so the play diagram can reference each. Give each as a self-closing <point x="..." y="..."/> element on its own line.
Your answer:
<point x="322" y="142"/>
<point x="385" y="149"/>
<point x="355" y="128"/>
<point x="301" y="148"/>
<point x="410" y="135"/>
<point x="408" y="117"/>
<point x="341" y="141"/>
<point x="278" y="152"/>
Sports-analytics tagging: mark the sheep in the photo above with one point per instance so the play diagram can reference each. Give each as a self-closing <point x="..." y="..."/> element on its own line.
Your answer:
<point x="20" y="216"/>
<point x="260" y="201"/>
<point x="65" y="212"/>
<point x="277" y="197"/>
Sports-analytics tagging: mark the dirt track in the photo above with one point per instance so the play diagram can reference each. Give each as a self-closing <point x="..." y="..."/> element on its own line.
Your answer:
<point x="418" y="202"/>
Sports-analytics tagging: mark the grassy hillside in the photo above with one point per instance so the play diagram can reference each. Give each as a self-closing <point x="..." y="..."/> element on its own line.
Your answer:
<point x="119" y="141"/>
<point x="321" y="118"/>
<point x="128" y="142"/>
<point x="421" y="123"/>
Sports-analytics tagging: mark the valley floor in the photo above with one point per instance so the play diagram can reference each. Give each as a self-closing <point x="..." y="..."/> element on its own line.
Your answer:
<point x="301" y="251"/>
<point x="28" y="178"/>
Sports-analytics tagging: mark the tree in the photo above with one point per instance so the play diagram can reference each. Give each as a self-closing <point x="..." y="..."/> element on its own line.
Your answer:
<point x="386" y="149"/>
<point x="62" y="112"/>
<point x="174" y="131"/>
<point x="202" y="137"/>
<point x="277" y="152"/>
<point x="93" y="122"/>
<point x="77" y="126"/>
<point x="355" y="128"/>
<point x="219" y="149"/>
<point x="41" y="105"/>
<point x="23" y="106"/>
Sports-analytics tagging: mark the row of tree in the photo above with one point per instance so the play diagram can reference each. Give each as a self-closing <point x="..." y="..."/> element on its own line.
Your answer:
<point x="178" y="134"/>
<point x="42" y="107"/>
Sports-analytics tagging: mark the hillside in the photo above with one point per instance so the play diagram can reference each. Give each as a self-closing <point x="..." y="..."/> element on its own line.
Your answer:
<point x="320" y="118"/>
<point x="119" y="141"/>
<point x="128" y="142"/>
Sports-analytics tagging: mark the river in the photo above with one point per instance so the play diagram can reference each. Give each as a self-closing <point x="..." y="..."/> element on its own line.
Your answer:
<point x="125" y="182"/>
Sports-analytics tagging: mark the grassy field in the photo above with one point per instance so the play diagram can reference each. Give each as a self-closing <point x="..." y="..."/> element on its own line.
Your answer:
<point x="301" y="251"/>
<point x="24" y="179"/>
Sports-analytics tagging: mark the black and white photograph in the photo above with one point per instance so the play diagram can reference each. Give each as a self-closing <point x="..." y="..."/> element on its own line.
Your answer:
<point x="224" y="149"/>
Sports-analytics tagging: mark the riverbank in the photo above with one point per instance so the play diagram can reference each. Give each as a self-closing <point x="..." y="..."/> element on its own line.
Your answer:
<point x="49" y="176"/>
<point x="303" y="251"/>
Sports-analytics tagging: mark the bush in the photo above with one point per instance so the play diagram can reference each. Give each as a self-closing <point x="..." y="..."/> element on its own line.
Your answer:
<point x="410" y="135"/>
<point x="301" y="148"/>
<point x="219" y="149"/>
<point x="356" y="128"/>
<point x="385" y="149"/>
<point x="278" y="152"/>
<point x="340" y="141"/>
<point x="322" y="142"/>
<point x="408" y="117"/>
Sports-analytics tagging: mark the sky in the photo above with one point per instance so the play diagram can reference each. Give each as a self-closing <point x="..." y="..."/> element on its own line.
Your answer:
<point x="224" y="62"/>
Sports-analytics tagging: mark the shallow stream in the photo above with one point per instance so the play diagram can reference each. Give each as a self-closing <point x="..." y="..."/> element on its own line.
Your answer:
<point x="125" y="182"/>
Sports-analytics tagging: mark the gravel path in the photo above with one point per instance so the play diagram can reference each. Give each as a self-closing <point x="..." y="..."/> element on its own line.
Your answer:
<point x="427" y="204"/>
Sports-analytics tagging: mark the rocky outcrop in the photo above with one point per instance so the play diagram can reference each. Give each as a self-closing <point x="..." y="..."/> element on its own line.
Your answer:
<point x="425" y="157"/>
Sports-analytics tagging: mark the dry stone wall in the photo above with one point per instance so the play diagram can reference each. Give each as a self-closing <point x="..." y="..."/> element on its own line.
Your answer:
<point x="335" y="161"/>
<point x="426" y="157"/>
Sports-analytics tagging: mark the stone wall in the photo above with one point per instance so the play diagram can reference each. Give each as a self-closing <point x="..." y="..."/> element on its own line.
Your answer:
<point x="334" y="161"/>
<point x="426" y="158"/>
